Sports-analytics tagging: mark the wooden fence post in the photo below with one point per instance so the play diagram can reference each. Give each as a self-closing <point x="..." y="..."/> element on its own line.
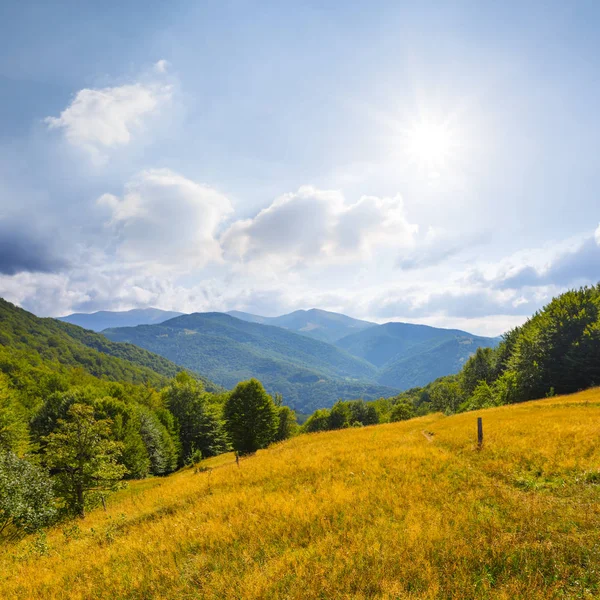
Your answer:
<point x="479" y="432"/>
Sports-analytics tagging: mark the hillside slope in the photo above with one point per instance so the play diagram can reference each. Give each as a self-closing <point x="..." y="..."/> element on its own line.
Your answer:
<point x="72" y="346"/>
<point x="308" y="373"/>
<point x="406" y="510"/>
<point x="409" y="355"/>
<point x="130" y="318"/>
<point x="422" y="367"/>
<point x="319" y="324"/>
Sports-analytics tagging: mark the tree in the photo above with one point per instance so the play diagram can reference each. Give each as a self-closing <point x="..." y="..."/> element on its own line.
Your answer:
<point x="446" y="394"/>
<point x="479" y="367"/>
<point x="287" y="425"/>
<point x="13" y="425"/>
<point x="199" y="426"/>
<point x="26" y="496"/>
<point x="251" y="417"/>
<point x="402" y="411"/>
<point x="363" y="412"/>
<point x="318" y="421"/>
<point x="339" y="416"/>
<point x="160" y="447"/>
<point x="83" y="458"/>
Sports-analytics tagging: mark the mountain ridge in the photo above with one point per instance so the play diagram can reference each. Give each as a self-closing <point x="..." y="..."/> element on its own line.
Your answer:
<point x="104" y="319"/>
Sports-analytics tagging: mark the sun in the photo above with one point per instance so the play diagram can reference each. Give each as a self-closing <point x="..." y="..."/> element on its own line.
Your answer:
<point x="429" y="145"/>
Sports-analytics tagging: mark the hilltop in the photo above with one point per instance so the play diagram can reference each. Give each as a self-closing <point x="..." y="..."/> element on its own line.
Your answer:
<point x="404" y="510"/>
<point x="316" y="323"/>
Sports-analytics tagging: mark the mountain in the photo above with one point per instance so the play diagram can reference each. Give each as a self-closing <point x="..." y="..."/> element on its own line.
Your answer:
<point x="53" y="341"/>
<point x="410" y="355"/>
<point x="318" y="324"/>
<point x="308" y="372"/>
<point x="420" y="368"/>
<point x="130" y="318"/>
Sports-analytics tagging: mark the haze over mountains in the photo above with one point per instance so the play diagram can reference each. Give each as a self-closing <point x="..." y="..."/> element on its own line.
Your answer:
<point x="312" y="357"/>
<point x="129" y="318"/>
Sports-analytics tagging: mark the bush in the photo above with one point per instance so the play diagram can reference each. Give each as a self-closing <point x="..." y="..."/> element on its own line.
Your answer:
<point x="26" y="495"/>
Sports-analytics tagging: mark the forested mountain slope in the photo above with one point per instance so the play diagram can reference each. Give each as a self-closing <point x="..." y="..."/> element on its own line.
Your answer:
<point x="72" y="346"/>
<point x="384" y="344"/>
<point x="309" y="373"/>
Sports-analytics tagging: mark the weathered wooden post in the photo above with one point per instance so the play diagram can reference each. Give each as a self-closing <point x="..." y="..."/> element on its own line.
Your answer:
<point x="479" y="433"/>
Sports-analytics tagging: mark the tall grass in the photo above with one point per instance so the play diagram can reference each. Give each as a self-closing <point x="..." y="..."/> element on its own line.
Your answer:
<point x="377" y="512"/>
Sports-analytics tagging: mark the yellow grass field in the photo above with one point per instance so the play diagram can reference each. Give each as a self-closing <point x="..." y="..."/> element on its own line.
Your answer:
<point x="406" y="510"/>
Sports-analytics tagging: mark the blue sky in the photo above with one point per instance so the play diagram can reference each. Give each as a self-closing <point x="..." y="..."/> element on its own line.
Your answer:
<point x="433" y="162"/>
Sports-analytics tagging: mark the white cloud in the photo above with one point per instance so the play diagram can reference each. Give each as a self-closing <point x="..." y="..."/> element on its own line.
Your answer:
<point x="597" y="235"/>
<point x="161" y="66"/>
<point x="166" y="220"/>
<point x="319" y="225"/>
<point x="99" y="119"/>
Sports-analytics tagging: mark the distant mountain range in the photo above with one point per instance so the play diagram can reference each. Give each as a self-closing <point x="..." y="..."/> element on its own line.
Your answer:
<point x="130" y="318"/>
<point x="319" y="324"/>
<point x="312" y="357"/>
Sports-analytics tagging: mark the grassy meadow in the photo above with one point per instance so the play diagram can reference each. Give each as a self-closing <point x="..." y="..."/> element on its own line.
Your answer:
<point x="404" y="510"/>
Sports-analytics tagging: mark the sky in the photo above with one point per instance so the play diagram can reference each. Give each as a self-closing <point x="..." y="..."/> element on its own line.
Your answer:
<point x="430" y="162"/>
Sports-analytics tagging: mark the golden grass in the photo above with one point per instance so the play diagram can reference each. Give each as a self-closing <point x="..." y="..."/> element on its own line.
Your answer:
<point x="377" y="512"/>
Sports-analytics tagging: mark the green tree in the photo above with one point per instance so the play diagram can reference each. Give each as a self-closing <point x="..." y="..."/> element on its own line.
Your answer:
<point x="126" y="429"/>
<point x="339" y="416"/>
<point x="26" y="496"/>
<point x="14" y="434"/>
<point x="479" y="367"/>
<point x="363" y="412"/>
<point x="446" y="394"/>
<point x="160" y="447"/>
<point x="402" y="411"/>
<point x="199" y="426"/>
<point x="251" y="417"/>
<point x="318" y="421"/>
<point x="83" y="458"/>
<point x="287" y="425"/>
<point x="482" y="397"/>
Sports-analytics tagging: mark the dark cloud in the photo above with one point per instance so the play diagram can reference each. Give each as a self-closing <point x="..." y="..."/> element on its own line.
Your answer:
<point x="24" y="251"/>
<point x="573" y="267"/>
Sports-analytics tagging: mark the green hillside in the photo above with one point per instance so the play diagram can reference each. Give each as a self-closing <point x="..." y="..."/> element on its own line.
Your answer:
<point x="61" y="343"/>
<point x="384" y="344"/>
<point x="422" y="366"/>
<point x="134" y="354"/>
<point x="308" y="373"/>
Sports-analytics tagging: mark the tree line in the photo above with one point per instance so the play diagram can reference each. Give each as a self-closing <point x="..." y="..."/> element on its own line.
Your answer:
<point x="81" y="437"/>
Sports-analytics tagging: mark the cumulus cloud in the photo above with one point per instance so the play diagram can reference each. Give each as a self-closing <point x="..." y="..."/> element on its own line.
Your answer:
<point x="166" y="220"/>
<point x="99" y="119"/>
<point x="319" y="225"/>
